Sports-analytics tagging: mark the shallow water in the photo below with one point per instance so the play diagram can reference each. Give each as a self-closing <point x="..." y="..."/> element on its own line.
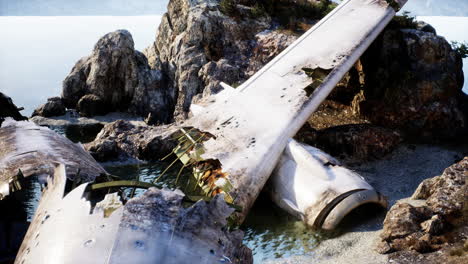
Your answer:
<point x="269" y="232"/>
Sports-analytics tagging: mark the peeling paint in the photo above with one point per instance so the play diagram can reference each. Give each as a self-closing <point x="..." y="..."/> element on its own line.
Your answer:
<point x="152" y="228"/>
<point x="272" y="105"/>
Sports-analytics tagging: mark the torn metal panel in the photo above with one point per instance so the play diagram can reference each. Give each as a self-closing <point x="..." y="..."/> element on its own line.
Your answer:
<point x="63" y="230"/>
<point x="316" y="188"/>
<point x="153" y="228"/>
<point x="28" y="149"/>
<point x="252" y="126"/>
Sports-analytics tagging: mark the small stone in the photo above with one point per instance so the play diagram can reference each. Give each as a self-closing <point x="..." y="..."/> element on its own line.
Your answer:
<point x="433" y="226"/>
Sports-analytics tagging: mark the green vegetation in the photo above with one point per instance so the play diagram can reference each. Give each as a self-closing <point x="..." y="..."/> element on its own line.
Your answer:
<point x="404" y="21"/>
<point x="228" y="7"/>
<point x="258" y="11"/>
<point x="289" y="12"/>
<point x="393" y="4"/>
<point x="460" y="48"/>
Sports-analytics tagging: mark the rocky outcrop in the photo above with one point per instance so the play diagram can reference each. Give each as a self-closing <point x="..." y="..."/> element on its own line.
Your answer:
<point x="9" y="109"/>
<point x="121" y="140"/>
<point x="269" y="43"/>
<point x="116" y="77"/>
<point x="435" y="218"/>
<point x="196" y="38"/>
<point x="202" y="43"/>
<point x="53" y="107"/>
<point x="413" y="82"/>
<point x="352" y="142"/>
<point x="91" y="105"/>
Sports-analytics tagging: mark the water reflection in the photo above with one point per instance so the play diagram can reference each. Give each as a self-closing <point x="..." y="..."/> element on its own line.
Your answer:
<point x="269" y="232"/>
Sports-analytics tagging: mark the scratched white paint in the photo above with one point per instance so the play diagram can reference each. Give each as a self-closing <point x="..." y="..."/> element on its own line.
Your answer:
<point x="303" y="177"/>
<point x="253" y="126"/>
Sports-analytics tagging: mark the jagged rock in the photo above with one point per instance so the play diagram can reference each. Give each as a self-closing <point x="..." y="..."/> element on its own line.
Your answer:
<point x="445" y="194"/>
<point x="438" y="223"/>
<point x="348" y="89"/>
<point x="213" y="73"/>
<point x="423" y="26"/>
<point x="122" y="139"/>
<point x="91" y="105"/>
<point x="269" y="43"/>
<point x="121" y="77"/>
<point x="195" y="33"/>
<point x="53" y="107"/>
<point x="9" y="109"/>
<point x="354" y="141"/>
<point x="401" y="221"/>
<point x="433" y="226"/>
<point x="414" y="83"/>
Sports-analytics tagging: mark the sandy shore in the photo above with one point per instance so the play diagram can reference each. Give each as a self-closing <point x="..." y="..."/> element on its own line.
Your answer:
<point x="396" y="176"/>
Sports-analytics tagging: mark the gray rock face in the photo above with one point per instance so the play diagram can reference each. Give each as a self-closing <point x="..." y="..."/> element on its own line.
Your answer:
<point x="91" y="105"/>
<point x="198" y="46"/>
<point x="120" y="77"/>
<point x="9" y="109"/>
<point x="53" y="107"/>
<point x="413" y="83"/>
<point x="353" y="141"/>
<point x="437" y="223"/>
<point x="122" y="140"/>
<point x="269" y="43"/>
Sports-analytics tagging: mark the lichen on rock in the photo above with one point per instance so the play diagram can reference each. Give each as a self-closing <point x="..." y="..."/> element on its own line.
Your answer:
<point x="119" y="79"/>
<point x="436" y="222"/>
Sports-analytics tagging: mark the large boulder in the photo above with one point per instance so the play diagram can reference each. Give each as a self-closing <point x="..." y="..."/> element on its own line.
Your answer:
<point x="413" y="82"/>
<point x="53" y="107"/>
<point x="120" y="77"/>
<point x="122" y="140"/>
<point x="9" y="109"/>
<point x="91" y="105"/>
<point x="434" y="219"/>
<point x="353" y="142"/>
<point x="196" y="38"/>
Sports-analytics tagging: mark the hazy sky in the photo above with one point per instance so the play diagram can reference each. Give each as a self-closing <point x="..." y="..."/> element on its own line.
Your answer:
<point x="82" y="7"/>
<point x="437" y="7"/>
<point x="158" y="7"/>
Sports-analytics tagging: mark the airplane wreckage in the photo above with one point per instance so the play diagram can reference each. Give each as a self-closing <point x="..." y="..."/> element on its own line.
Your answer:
<point x="230" y="144"/>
